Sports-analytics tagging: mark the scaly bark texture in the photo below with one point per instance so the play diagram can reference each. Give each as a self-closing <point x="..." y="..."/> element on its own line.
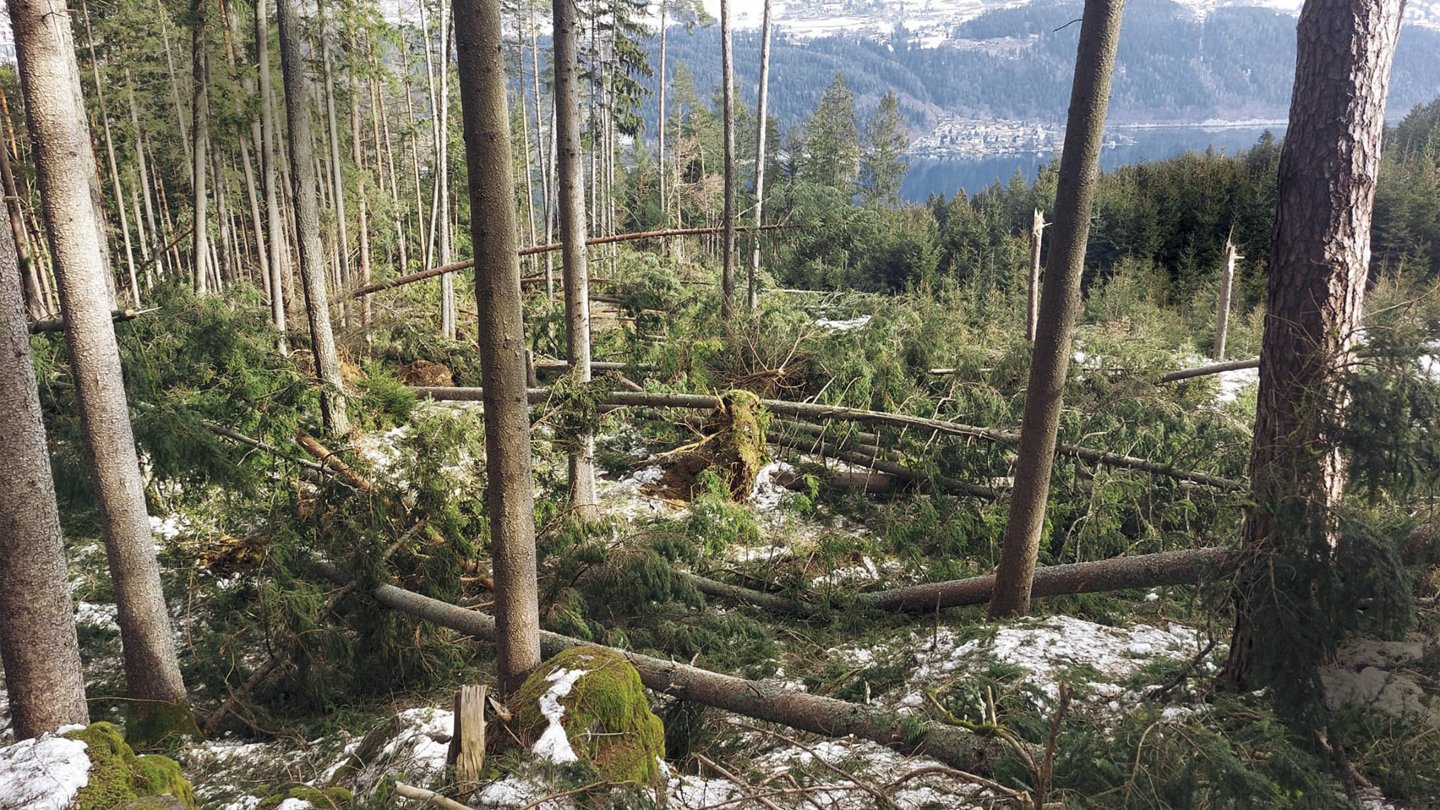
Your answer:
<point x="38" y="648"/>
<point x="268" y="158"/>
<point x="576" y="272"/>
<point x="200" y="111"/>
<point x="1032" y="308"/>
<point x="307" y="221"/>
<point x="493" y="224"/>
<point x="65" y="166"/>
<point x="1059" y="304"/>
<point x="762" y="103"/>
<point x="1319" y="256"/>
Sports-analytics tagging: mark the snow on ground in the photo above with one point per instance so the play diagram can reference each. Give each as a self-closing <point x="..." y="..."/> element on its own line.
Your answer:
<point x="553" y="744"/>
<point x="766" y="495"/>
<point x="381" y="450"/>
<point x="42" y="774"/>
<point x="91" y="614"/>
<point x="843" y="326"/>
<point x="1232" y="383"/>
<point x="168" y="527"/>
<point x="627" y="498"/>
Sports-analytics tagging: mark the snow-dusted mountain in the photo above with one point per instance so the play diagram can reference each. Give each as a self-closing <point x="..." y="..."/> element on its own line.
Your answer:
<point x="931" y="21"/>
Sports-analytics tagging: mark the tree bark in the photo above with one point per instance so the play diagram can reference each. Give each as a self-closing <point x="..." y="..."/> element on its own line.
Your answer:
<point x="727" y="248"/>
<point x="1059" y="303"/>
<point x="35" y="304"/>
<point x="660" y="115"/>
<point x="337" y="169"/>
<point x="38" y="646"/>
<point x="572" y="234"/>
<point x="493" y="227"/>
<point x="760" y="133"/>
<point x="1319" y="257"/>
<point x="307" y="222"/>
<point x="763" y="701"/>
<point x="65" y="164"/>
<point x="200" y="140"/>
<point x="111" y="163"/>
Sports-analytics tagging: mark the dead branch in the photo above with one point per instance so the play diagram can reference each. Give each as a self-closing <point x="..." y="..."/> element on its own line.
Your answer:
<point x="58" y="324"/>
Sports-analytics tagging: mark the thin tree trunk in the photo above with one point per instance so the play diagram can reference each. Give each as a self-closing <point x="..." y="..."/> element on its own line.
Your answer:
<point x="1222" y="308"/>
<point x="572" y="235"/>
<point x="38" y="647"/>
<point x="164" y="17"/>
<point x="200" y="246"/>
<point x="448" y="313"/>
<point x="493" y="227"/>
<point x="543" y="155"/>
<point x="111" y="163"/>
<point x="35" y="304"/>
<point x="1319" y="259"/>
<point x="307" y="222"/>
<point x="1059" y="303"/>
<point x="727" y="248"/>
<point x="146" y="194"/>
<point x="65" y="164"/>
<point x="660" y="115"/>
<point x="363" y="215"/>
<point x="337" y="170"/>
<point x="1032" y="309"/>
<point x="760" y="116"/>
<point x="525" y="131"/>
<point x="269" y="156"/>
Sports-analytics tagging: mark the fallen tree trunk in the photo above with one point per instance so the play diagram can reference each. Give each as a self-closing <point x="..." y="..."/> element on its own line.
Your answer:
<point x="58" y="324"/>
<point x="455" y="267"/>
<point x="866" y="481"/>
<point x="1117" y="574"/>
<point x="763" y="701"/>
<point x="1186" y="567"/>
<point x="546" y="364"/>
<point x="815" y="411"/>
<point x="883" y="465"/>
<point x="1210" y="368"/>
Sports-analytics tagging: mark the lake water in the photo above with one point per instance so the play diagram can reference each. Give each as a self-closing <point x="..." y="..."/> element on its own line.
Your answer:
<point x="946" y="176"/>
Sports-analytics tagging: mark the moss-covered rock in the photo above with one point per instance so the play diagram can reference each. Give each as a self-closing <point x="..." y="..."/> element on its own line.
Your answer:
<point x="318" y="798"/>
<point x="119" y="777"/>
<point x="606" y="716"/>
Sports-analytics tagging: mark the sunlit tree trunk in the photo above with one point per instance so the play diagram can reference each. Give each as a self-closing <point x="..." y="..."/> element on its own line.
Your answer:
<point x="727" y="248"/>
<point x="1319" y="257"/>
<point x="1059" y="305"/>
<point x="200" y="139"/>
<point x="760" y="116"/>
<point x="493" y="227"/>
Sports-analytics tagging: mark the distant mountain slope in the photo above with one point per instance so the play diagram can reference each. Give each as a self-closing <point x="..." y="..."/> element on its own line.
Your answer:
<point x="1175" y="64"/>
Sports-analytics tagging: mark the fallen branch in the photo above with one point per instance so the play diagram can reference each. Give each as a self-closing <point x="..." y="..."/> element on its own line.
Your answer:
<point x="815" y="411"/>
<point x="58" y="324"/>
<point x="883" y="465"/>
<point x="756" y="699"/>
<point x="455" y="267"/>
<point x="419" y="794"/>
<point x="333" y="462"/>
<point x="1185" y="567"/>
<point x="1210" y="368"/>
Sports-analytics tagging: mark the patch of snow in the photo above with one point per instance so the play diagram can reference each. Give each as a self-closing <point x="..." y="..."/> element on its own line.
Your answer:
<point x="96" y="615"/>
<point x="648" y="475"/>
<point x="43" y="773"/>
<point x="553" y="744"/>
<point x="381" y="450"/>
<point x="1232" y="383"/>
<point x="765" y="496"/>
<point x="843" y="326"/>
<point x="693" y="792"/>
<point x="864" y="571"/>
<point x="518" y="791"/>
<point x="294" y="804"/>
<point x="168" y="527"/>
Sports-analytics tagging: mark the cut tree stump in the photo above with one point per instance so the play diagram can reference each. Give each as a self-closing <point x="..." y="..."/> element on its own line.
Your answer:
<point x="467" y="743"/>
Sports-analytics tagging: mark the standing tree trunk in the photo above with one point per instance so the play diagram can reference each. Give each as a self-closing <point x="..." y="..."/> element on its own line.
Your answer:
<point x="660" y="115"/>
<point x="542" y="152"/>
<point x="1222" y="308"/>
<point x="760" y="114"/>
<point x="1059" y="303"/>
<point x="65" y="164"/>
<point x="337" y="170"/>
<point x="510" y="495"/>
<point x="35" y="304"/>
<point x="200" y="139"/>
<point x="572" y="234"/>
<point x="38" y="647"/>
<point x="268" y="158"/>
<point x="363" y="215"/>
<point x="115" y="188"/>
<point x="727" y="250"/>
<point x="1032" y="310"/>
<point x="1319" y="256"/>
<point x="307" y="222"/>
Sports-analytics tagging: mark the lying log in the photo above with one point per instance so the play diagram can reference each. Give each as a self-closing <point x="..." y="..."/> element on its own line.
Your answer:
<point x="816" y="411"/>
<point x="763" y="701"/>
<point x="547" y="364"/>
<point x="455" y="267"/>
<point x="1117" y="574"/>
<point x="860" y="438"/>
<point x="869" y="481"/>
<point x="1210" y="368"/>
<point x="58" y="324"/>
<point x="1165" y="568"/>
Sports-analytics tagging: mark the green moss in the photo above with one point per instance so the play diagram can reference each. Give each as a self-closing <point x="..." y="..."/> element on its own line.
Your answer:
<point x="607" y="715"/>
<point x="319" y="798"/>
<point x="117" y="775"/>
<point x="156" y="724"/>
<point x="741" y="446"/>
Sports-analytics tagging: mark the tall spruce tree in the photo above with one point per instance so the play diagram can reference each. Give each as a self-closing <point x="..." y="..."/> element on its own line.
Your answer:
<point x="831" y="140"/>
<point x="883" y="160"/>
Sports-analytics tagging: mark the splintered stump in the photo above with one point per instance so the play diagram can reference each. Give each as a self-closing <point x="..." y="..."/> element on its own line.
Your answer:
<point x="467" y="744"/>
<point x="732" y="441"/>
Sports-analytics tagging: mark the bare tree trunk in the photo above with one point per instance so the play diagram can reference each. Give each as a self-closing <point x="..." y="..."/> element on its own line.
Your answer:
<point x="426" y="257"/>
<point x="307" y="222"/>
<point x="660" y="115"/>
<point x="1032" y="310"/>
<point x="572" y="234"/>
<point x="337" y="170"/>
<point x="525" y="131"/>
<point x="199" y="107"/>
<point x="1059" y="302"/>
<point x="363" y="215"/>
<point x="1319" y="257"/>
<point x="111" y="163"/>
<point x="35" y="305"/>
<point x="38" y="646"/>
<point x="157" y="242"/>
<point x="543" y="154"/>
<point x="493" y="228"/>
<point x="727" y="249"/>
<point x="1222" y="308"/>
<point x="760" y="116"/>
<point x="268" y="158"/>
<point x="65" y="164"/>
<point x="164" y="18"/>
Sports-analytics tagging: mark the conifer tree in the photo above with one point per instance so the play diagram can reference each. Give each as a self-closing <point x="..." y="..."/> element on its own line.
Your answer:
<point x="831" y="140"/>
<point x="883" y="168"/>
